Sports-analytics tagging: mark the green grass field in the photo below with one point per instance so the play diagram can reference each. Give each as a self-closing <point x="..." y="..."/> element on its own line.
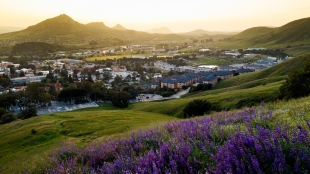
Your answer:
<point x="298" y="51"/>
<point x="5" y="57"/>
<point x="20" y="146"/>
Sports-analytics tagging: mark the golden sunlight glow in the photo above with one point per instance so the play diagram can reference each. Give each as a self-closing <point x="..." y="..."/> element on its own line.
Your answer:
<point x="178" y="16"/>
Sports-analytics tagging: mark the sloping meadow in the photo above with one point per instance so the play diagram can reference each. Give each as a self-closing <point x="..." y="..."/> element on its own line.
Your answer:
<point x="250" y="141"/>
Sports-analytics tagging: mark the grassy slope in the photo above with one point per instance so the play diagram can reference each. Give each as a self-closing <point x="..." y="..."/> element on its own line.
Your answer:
<point x="295" y="32"/>
<point x="226" y="98"/>
<point x="253" y="32"/>
<point x="20" y="146"/>
<point x="271" y="74"/>
<point x="297" y="51"/>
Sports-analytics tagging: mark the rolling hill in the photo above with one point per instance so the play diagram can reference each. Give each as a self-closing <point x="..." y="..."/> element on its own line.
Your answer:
<point x="119" y="27"/>
<point x="204" y="32"/>
<point x="63" y="29"/>
<point x="292" y="33"/>
<point x="162" y="30"/>
<point x="272" y="74"/>
<point x="253" y="32"/>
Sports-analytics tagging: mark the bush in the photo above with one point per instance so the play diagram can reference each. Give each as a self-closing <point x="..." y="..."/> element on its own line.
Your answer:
<point x="201" y="87"/>
<point x="29" y="112"/>
<point x="197" y="107"/>
<point x="297" y="84"/>
<point x="33" y="131"/>
<point x="6" y="118"/>
<point x="2" y="112"/>
<point x="120" y="99"/>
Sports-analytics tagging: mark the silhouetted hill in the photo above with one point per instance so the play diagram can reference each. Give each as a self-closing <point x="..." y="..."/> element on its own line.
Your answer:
<point x="162" y="30"/>
<point x="63" y="29"/>
<point x="119" y="27"/>
<point x="98" y="25"/>
<point x="204" y="32"/>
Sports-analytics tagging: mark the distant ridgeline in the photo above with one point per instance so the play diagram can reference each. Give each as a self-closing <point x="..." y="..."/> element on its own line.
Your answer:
<point x="34" y="48"/>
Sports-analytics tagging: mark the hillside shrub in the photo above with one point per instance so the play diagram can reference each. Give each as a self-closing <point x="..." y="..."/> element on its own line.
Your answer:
<point x="200" y="87"/>
<point x="29" y="112"/>
<point x="2" y="112"/>
<point x="197" y="107"/>
<point x="120" y="99"/>
<point x="33" y="131"/>
<point x="297" y="84"/>
<point x="7" y="118"/>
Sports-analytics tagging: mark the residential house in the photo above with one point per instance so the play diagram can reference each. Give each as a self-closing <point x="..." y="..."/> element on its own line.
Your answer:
<point x="223" y="74"/>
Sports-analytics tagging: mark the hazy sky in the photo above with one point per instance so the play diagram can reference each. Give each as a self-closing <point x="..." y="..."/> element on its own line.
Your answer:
<point x="177" y="15"/>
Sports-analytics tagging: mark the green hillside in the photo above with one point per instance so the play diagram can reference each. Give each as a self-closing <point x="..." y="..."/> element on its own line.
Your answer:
<point x="296" y="31"/>
<point x="253" y="32"/>
<point x="272" y="74"/>
<point x="293" y="33"/>
<point x="20" y="145"/>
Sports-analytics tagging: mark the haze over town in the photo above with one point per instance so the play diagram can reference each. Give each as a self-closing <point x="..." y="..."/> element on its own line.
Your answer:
<point x="178" y="16"/>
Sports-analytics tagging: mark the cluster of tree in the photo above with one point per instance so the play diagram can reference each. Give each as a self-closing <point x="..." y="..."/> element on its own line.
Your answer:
<point x="34" y="48"/>
<point x="297" y="84"/>
<point x="26" y="106"/>
<point x="227" y="39"/>
<point x="166" y="92"/>
<point x="270" y="52"/>
<point x="197" y="108"/>
<point x="119" y="98"/>
<point x="177" y="62"/>
<point x="207" y="40"/>
<point x="200" y="87"/>
<point x="5" y="81"/>
<point x="93" y="42"/>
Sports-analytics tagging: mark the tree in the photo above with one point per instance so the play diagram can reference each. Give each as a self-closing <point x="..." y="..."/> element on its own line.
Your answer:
<point x="52" y="91"/>
<point x="108" y="64"/>
<point x="85" y="85"/>
<point x="12" y="70"/>
<point x="118" y="79"/>
<point x="106" y="75"/>
<point x="120" y="99"/>
<point x="6" y="118"/>
<point x="297" y="84"/>
<point x="29" y="112"/>
<point x="197" y="107"/>
<point x="69" y="94"/>
<point x="36" y="94"/>
<point x="5" y="82"/>
<point x="21" y="73"/>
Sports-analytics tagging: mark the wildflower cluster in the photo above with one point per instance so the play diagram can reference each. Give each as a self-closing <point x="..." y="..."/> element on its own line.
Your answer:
<point x="243" y="142"/>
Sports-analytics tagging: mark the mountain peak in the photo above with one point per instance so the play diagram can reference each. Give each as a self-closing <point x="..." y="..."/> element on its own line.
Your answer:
<point x="97" y="24"/>
<point x="119" y="27"/>
<point x="162" y="30"/>
<point x="63" y="18"/>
